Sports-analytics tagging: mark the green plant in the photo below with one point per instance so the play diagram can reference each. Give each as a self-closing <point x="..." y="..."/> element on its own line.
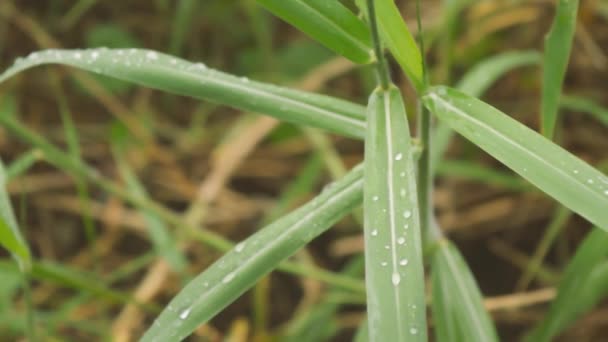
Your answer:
<point x="395" y="183"/>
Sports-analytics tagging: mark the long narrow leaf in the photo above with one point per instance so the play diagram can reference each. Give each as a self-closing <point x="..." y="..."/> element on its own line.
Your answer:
<point x="552" y="169"/>
<point x="582" y="104"/>
<point x="251" y="259"/>
<point x="160" y="71"/>
<point x="329" y="22"/>
<point x="399" y="40"/>
<point x="10" y="235"/>
<point x="475" y="82"/>
<point x="577" y="291"/>
<point x="393" y="259"/>
<point x="555" y="62"/>
<point x="458" y="308"/>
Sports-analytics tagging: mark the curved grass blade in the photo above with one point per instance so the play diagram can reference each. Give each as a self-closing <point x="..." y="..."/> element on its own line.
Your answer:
<point x="251" y="259"/>
<point x="583" y="284"/>
<point x="549" y="167"/>
<point x="10" y="235"/>
<point x="476" y="82"/>
<point x="397" y="37"/>
<point x="393" y="259"/>
<point x="329" y="22"/>
<point x="484" y="74"/>
<point x="458" y="308"/>
<point x="585" y="105"/>
<point x="160" y="71"/>
<point x="555" y="62"/>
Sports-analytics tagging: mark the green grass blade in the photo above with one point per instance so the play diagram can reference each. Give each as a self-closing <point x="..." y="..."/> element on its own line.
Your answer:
<point x="476" y="82"/>
<point x="251" y="259"/>
<point x="160" y="71"/>
<point x="10" y="235"/>
<point x="483" y="174"/>
<point x="184" y="13"/>
<point x="549" y="167"/>
<point x="585" y="105"/>
<point x="555" y="62"/>
<point x="397" y="37"/>
<point x="458" y="308"/>
<point x="164" y="243"/>
<point x="329" y="22"/>
<point x="483" y="75"/>
<point x="578" y="289"/>
<point x="393" y="260"/>
<point x="20" y="165"/>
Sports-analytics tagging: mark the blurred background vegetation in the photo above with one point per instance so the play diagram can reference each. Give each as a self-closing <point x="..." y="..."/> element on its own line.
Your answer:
<point x="103" y="273"/>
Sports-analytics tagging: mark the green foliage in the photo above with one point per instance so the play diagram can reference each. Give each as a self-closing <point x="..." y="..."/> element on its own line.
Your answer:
<point x="457" y="303"/>
<point x="393" y="258"/>
<point x="329" y="22"/>
<point x="239" y="269"/>
<point x="552" y="169"/>
<point x="555" y="62"/>
<point x="386" y="183"/>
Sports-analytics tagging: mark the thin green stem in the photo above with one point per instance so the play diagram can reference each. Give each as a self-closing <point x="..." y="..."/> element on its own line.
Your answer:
<point x="430" y="231"/>
<point x="29" y="308"/>
<point x="381" y="66"/>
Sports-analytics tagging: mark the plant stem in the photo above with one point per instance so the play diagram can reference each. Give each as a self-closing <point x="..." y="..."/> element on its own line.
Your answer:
<point x="430" y="231"/>
<point x="381" y="66"/>
<point x="29" y="307"/>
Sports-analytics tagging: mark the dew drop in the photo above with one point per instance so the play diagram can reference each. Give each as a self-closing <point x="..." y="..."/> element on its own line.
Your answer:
<point x="407" y="214"/>
<point x="173" y="61"/>
<point x="413" y="331"/>
<point x="384" y="263"/>
<point x="606" y="192"/>
<point x="402" y="174"/>
<point x="402" y="193"/>
<point x="387" y="247"/>
<point x="407" y="226"/>
<point x="399" y="156"/>
<point x="228" y="278"/>
<point x="184" y="314"/>
<point x="239" y="247"/>
<point x="78" y="55"/>
<point x="375" y="232"/>
<point x="590" y="181"/>
<point x="94" y="54"/>
<point x="375" y="198"/>
<point x="401" y="240"/>
<point x="396" y="278"/>
<point x="575" y="171"/>
<point x="403" y="262"/>
<point x="245" y="79"/>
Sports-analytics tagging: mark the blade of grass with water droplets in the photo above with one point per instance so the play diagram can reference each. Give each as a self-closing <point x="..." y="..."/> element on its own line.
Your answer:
<point x="10" y="235"/>
<point x="328" y="22"/>
<point x="543" y="163"/>
<point x="458" y="309"/>
<point x="577" y="291"/>
<point x="393" y="259"/>
<point x="239" y="269"/>
<point x="160" y="71"/>
<point x="555" y="62"/>
<point x="476" y="82"/>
